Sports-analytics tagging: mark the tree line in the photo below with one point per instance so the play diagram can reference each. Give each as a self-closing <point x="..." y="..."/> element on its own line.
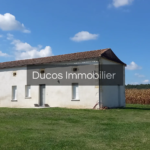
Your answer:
<point x="138" y="86"/>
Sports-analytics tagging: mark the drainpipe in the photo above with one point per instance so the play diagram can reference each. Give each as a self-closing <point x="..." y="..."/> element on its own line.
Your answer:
<point x="100" y="87"/>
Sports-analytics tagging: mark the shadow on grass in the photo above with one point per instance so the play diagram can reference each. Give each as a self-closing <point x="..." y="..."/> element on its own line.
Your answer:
<point x="137" y="108"/>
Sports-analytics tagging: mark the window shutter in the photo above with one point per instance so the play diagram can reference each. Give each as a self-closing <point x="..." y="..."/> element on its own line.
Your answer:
<point x="14" y="92"/>
<point x="75" y="93"/>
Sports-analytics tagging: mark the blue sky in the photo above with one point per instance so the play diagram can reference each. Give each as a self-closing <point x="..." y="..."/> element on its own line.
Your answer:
<point x="30" y="29"/>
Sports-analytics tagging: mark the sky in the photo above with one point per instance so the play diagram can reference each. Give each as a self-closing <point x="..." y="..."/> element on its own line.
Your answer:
<point x="32" y="29"/>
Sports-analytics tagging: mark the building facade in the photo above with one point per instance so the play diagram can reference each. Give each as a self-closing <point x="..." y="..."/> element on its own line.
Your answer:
<point x="17" y="92"/>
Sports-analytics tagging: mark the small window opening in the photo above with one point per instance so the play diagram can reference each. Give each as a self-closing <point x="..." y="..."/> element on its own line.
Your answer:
<point x="42" y="71"/>
<point x="95" y="74"/>
<point x="14" y="74"/>
<point x="75" y="69"/>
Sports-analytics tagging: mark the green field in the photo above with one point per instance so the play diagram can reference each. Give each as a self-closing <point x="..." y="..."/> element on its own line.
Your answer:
<point x="72" y="129"/>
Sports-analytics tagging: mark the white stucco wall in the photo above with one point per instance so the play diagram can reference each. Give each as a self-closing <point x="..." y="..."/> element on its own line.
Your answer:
<point x="109" y="94"/>
<point x="61" y="96"/>
<point x="7" y="80"/>
<point x="55" y="96"/>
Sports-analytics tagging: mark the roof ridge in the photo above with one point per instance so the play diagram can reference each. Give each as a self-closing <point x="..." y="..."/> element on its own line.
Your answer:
<point x="93" y="54"/>
<point x="54" y="56"/>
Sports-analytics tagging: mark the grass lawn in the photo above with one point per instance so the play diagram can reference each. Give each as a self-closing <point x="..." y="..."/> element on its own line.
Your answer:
<point x="72" y="129"/>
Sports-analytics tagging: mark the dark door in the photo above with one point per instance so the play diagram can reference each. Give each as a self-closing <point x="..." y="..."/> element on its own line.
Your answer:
<point x="42" y="95"/>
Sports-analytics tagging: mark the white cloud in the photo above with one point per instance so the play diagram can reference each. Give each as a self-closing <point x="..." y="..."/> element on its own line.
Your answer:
<point x="3" y="54"/>
<point x="134" y="83"/>
<point x="20" y="46"/>
<point x="146" y="81"/>
<point x="141" y="82"/>
<point x="34" y="53"/>
<point x="8" y="22"/>
<point x="1" y="36"/>
<point x="84" y="36"/>
<point x="120" y="3"/>
<point x="133" y="66"/>
<point x="24" y="50"/>
<point x="10" y="36"/>
<point x="139" y="75"/>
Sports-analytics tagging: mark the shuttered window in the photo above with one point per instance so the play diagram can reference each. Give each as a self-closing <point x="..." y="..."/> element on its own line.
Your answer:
<point x="75" y="91"/>
<point x="28" y="91"/>
<point x="14" y="92"/>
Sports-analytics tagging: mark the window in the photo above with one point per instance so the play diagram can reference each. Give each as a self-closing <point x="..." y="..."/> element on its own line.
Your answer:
<point x="27" y="91"/>
<point x="14" y="92"/>
<point x="75" y="93"/>
<point x="14" y="73"/>
<point x="75" y="69"/>
<point x="42" y="71"/>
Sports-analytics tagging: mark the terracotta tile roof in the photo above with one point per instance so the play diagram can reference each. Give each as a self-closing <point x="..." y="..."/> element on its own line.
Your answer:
<point x="58" y="58"/>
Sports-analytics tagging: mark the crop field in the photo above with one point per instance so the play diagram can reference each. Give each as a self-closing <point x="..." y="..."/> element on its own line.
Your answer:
<point x="138" y="96"/>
